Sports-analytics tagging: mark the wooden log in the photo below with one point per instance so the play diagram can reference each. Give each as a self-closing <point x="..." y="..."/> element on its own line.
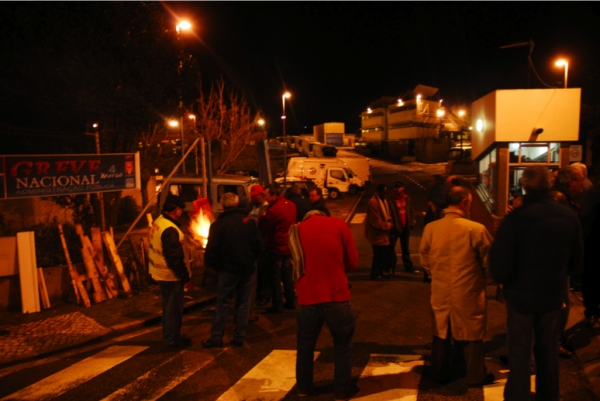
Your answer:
<point x="105" y="278"/>
<point x="98" y="249"/>
<point x="43" y="291"/>
<point x="114" y="256"/>
<point x="138" y="263"/>
<point x="90" y="266"/>
<point x="80" y="292"/>
<point x="88" y="260"/>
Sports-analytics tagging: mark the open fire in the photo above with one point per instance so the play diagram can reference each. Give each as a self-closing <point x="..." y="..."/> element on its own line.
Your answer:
<point x="200" y="223"/>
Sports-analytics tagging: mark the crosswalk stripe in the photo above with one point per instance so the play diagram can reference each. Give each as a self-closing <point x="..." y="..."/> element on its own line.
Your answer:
<point x="358" y="218"/>
<point x="391" y="377"/>
<point x="157" y="382"/>
<point x="495" y="391"/>
<point x="270" y="380"/>
<point x="71" y="377"/>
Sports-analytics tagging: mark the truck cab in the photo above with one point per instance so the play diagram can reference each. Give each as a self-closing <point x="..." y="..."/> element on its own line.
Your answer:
<point x="190" y="188"/>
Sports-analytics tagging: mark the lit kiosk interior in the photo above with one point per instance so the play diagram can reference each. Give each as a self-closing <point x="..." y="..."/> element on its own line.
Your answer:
<point x="513" y="129"/>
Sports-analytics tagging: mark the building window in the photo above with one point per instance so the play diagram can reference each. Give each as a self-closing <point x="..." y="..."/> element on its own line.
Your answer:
<point x="524" y="154"/>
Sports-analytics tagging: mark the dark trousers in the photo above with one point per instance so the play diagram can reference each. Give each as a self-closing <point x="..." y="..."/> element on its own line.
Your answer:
<point x="591" y="288"/>
<point x="172" y="311"/>
<point x="404" y="237"/>
<point x="281" y="272"/>
<point x="441" y="358"/>
<point x="563" y="316"/>
<point x="525" y="330"/>
<point x="382" y="260"/>
<point x="341" y="323"/>
<point x="263" y="279"/>
<point x="228" y="286"/>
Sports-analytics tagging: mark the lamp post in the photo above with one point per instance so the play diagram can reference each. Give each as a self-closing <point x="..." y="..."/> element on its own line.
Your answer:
<point x="286" y="95"/>
<point x="96" y="135"/>
<point x="564" y="63"/>
<point x="182" y="26"/>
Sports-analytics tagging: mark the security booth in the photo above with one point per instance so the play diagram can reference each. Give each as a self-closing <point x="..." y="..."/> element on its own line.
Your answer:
<point x="514" y="129"/>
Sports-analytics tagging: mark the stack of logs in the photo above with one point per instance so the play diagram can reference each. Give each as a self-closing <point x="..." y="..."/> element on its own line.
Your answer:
<point x="103" y="282"/>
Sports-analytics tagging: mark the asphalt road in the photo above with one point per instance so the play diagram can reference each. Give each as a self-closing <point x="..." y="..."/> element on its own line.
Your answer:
<point x="390" y="345"/>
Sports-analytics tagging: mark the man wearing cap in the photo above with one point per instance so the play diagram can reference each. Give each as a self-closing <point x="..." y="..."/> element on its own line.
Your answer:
<point x="404" y="220"/>
<point x="258" y="201"/>
<point x="275" y="225"/>
<point x="167" y="266"/>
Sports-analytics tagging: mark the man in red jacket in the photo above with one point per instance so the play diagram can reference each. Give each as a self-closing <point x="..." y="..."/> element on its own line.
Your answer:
<point x="329" y="252"/>
<point x="275" y="225"/>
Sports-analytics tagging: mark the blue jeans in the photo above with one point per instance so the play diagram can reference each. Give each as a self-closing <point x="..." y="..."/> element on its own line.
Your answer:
<point x="525" y="330"/>
<point x="172" y="310"/>
<point x="281" y="272"/>
<point x="229" y="285"/>
<point x="341" y="323"/>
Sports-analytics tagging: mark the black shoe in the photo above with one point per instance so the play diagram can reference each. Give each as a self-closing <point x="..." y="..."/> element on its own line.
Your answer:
<point x="289" y="306"/>
<point x="503" y="359"/>
<point x="489" y="379"/>
<point x="272" y="311"/>
<point x="410" y="269"/>
<point x="253" y="318"/>
<point x="237" y="343"/>
<point x="212" y="344"/>
<point x="564" y="353"/>
<point x="182" y="343"/>
<point x="346" y="393"/>
<point x="385" y="276"/>
<point x="262" y="301"/>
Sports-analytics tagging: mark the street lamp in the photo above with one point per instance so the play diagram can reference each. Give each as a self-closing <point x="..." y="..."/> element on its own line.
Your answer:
<point x="286" y="95"/>
<point x="564" y="63"/>
<point x="182" y="26"/>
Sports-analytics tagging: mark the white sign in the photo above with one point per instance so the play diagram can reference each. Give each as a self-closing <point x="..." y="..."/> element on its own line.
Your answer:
<point x="575" y="153"/>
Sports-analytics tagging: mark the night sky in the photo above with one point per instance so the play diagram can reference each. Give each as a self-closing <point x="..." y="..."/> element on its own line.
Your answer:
<point x="337" y="57"/>
<point x="334" y="57"/>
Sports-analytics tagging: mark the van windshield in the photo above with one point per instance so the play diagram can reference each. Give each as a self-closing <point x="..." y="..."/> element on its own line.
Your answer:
<point x="349" y="172"/>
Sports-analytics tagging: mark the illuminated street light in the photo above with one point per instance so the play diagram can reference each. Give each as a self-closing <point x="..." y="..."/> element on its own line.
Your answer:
<point x="564" y="63"/>
<point x="400" y="103"/>
<point x="286" y="95"/>
<point x="461" y="113"/>
<point x="173" y="123"/>
<point x="184" y="26"/>
<point x="441" y="112"/>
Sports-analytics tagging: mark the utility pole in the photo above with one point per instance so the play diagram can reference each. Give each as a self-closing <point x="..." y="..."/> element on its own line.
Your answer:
<point x="96" y="134"/>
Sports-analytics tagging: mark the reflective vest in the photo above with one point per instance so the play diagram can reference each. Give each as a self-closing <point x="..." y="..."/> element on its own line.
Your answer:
<point x="158" y="265"/>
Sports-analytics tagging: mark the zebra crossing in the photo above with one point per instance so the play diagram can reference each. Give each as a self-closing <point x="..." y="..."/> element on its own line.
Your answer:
<point x="384" y="377"/>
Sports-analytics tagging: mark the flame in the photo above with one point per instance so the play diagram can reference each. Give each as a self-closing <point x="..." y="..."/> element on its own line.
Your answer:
<point x="200" y="225"/>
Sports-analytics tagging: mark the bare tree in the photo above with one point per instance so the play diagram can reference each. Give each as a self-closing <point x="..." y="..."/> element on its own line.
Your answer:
<point x="225" y="116"/>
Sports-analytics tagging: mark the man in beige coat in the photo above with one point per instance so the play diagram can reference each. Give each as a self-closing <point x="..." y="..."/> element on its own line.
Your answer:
<point x="454" y="252"/>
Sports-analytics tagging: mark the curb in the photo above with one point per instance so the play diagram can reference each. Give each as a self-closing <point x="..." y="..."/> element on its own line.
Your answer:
<point x="105" y="334"/>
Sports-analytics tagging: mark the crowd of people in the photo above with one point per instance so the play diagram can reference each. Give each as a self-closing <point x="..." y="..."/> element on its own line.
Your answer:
<point x="287" y="250"/>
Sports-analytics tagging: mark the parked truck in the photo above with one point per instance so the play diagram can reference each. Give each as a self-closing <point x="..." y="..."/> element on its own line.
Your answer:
<point x="190" y="187"/>
<point x="330" y="173"/>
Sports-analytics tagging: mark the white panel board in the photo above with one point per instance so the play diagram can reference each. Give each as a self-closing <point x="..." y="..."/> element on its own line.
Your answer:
<point x="30" y="296"/>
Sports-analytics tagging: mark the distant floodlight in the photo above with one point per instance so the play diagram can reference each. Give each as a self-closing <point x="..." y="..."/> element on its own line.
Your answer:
<point x="173" y="123"/>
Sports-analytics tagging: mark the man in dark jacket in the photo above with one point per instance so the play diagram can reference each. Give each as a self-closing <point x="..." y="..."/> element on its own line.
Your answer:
<point x="536" y="247"/>
<point x="275" y="225"/>
<point x="234" y="245"/>
<point x="317" y="202"/>
<point x="167" y="266"/>
<point x="303" y="205"/>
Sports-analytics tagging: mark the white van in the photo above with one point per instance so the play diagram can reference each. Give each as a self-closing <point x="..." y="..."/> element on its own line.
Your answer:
<point x="360" y="166"/>
<point x="330" y="173"/>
